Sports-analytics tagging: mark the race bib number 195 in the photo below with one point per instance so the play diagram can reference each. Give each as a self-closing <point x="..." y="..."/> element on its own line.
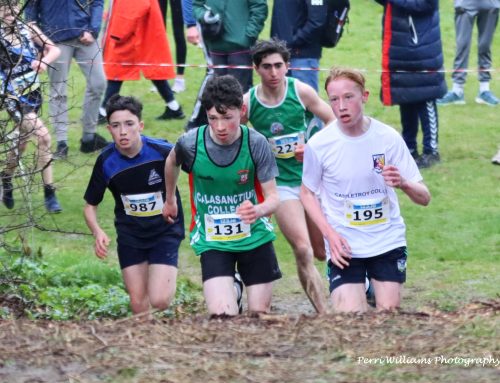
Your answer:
<point x="367" y="212"/>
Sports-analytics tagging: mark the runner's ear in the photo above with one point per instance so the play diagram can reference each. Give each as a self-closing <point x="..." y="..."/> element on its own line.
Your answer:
<point x="243" y="110"/>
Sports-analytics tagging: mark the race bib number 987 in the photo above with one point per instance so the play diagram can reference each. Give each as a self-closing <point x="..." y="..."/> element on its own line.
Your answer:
<point x="143" y="205"/>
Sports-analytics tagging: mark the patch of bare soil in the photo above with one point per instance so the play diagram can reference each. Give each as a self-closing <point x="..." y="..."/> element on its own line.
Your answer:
<point x="264" y="348"/>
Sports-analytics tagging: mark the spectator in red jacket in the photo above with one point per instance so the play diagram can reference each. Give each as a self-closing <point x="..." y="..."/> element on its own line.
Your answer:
<point x="135" y="36"/>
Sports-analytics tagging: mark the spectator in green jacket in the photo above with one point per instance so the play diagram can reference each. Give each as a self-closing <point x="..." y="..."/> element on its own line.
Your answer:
<point x="242" y="21"/>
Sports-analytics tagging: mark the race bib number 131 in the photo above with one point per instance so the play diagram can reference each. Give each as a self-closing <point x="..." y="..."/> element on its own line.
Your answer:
<point x="225" y="227"/>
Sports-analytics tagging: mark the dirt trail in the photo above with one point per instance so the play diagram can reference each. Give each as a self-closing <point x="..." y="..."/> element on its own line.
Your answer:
<point x="268" y="348"/>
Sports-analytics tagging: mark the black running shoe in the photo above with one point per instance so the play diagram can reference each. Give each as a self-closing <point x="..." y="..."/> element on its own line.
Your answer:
<point x="427" y="160"/>
<point x="7" y="196"/>
<point x="97" y="143"/>
<point x="52" y="204"/>
<point x="102" y="120"/>
<point x="171" y="114"/>
<point x="61" y="152"/>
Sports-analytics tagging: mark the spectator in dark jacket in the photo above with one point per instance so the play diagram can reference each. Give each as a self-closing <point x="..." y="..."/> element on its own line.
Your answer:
<point x="73" y="26"/>
<point x="412" y="76"/>
<point x="300" y="23"/>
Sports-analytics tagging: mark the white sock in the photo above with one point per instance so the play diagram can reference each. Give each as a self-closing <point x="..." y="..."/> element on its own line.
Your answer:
<point x="174" y="105"/>
<point x="102" y="111"/>
<point x="458" y="89"/>
<point x="484" y="86"/>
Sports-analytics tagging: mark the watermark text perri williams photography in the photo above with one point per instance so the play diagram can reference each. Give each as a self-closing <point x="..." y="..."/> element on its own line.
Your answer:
<point x="465" y="361"/>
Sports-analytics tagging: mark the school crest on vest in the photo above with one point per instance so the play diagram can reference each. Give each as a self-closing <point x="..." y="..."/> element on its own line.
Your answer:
<point x="276" y="128"/>
<point x="378" y="162"/>
<point x="243" y="176"/>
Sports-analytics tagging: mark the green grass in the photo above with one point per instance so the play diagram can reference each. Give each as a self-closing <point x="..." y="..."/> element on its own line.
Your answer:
<point x="454" y="243"/>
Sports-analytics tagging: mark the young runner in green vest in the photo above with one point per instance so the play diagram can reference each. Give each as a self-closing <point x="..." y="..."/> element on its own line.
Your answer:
<point x="280" y="108"/>
<point x="233" y="191"/>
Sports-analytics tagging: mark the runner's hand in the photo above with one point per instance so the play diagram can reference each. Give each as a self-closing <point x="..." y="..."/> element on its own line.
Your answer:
<point x="248" y="212"/>
<point x="170" y="211"/>
<point x="101" y="244"/>
<point x="340" y="251"/>
<point x="299" y="152"/>
<point x="392" y="177"/>
<point x="38" y="66"/>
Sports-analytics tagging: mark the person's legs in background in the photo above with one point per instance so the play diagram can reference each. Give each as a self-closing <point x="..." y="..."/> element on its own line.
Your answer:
<point x="172" y="110"/>
<point x="409" y="124"/>
<point x="199" y="117"/>
<point x="486" y="24"/>
<point x="58" y="99"/>
<point x="89" y="59"/>
<point x="180" y="45"/>
<point x="240" y="58"/>
<point x="428" y="115"/>
<point x="464" y="23"/>
<point x="310" y="77"/>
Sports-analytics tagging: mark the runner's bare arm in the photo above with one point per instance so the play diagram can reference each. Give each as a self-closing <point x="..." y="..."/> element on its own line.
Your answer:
<point x="313" y="102"/>
<point x="340" y="251"/>
<point x="172" y="171"/>
<point x="50" y="51"/>
<point x="101" y="238"/>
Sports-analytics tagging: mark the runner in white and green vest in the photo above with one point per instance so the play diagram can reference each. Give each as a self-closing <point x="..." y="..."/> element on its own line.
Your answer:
<point x="233" y="191"/>
<point x="281" y="108"/>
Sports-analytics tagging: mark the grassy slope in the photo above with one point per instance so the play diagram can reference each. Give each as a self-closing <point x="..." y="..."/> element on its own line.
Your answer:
<point x="454" y="243"/>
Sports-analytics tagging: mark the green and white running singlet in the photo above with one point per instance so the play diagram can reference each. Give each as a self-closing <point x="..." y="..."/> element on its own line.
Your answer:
<point x="284" y="125"/>
<point x="216" y="193"/>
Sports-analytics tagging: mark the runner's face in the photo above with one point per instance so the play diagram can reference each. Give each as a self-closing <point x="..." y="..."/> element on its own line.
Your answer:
<point x="272" y="70"/>
<point x="8" y="14"/>
<point x="225" y="128"/>
<point x="125" y="128"/>
<point x="347" y="99"/>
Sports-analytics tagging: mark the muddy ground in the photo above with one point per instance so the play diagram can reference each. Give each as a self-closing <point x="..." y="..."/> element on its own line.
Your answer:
<point x="424" y="346"/>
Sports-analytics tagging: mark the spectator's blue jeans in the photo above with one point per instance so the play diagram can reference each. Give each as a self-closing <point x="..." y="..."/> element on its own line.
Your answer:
<point x="243" y="57"/>
<point x="310" y="77"/>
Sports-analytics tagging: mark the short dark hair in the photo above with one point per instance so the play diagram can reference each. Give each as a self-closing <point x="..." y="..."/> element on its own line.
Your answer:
<point x="117" y="102"/>
<point x="263" y="48"/>
<point x="222" y="92"/>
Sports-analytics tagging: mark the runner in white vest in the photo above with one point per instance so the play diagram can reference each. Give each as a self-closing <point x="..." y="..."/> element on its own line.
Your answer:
<point x="355" y="164"/>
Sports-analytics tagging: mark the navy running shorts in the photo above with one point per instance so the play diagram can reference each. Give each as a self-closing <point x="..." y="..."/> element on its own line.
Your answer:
<point x="163" y="252"/>
<point x="387" y="267"/>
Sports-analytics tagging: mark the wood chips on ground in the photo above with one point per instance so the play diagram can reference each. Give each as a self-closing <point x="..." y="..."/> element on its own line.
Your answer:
<point x="426" y="346"/>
